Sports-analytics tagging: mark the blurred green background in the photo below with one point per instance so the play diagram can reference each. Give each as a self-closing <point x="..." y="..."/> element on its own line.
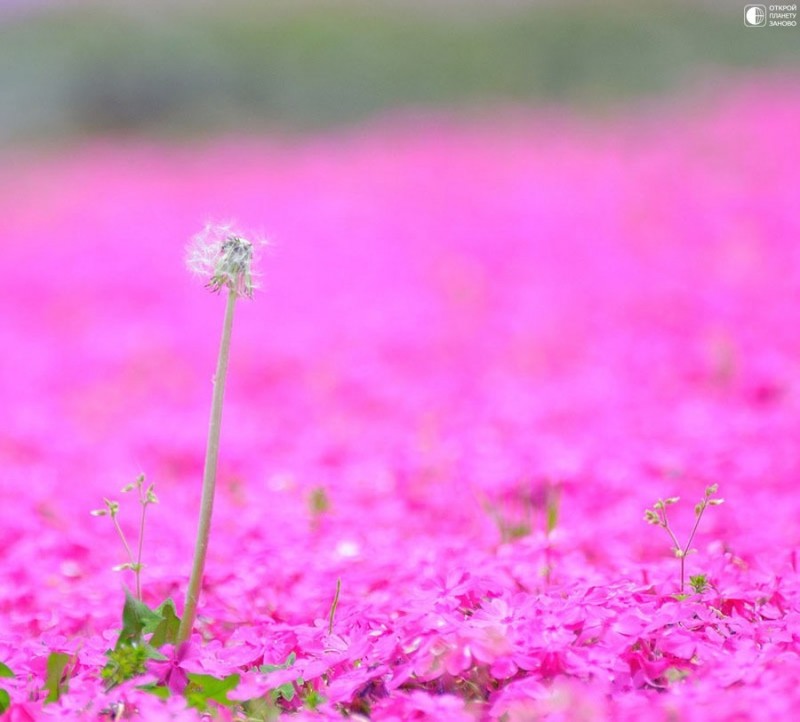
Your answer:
<point x="196" y="68"/>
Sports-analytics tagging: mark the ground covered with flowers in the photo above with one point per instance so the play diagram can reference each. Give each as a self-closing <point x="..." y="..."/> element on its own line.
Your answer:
<point x="479" y="352"/>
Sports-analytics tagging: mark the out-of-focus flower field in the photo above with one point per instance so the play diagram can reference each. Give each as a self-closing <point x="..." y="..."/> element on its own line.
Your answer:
<point x="475" y="359"/>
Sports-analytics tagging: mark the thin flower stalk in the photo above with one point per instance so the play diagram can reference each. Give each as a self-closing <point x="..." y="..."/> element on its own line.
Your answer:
<point x="147" y="496"/>
<point x="658" y="517"/>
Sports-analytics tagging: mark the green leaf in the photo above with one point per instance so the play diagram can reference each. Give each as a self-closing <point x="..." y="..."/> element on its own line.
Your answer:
<point x="675" y="674"/>
<point x="56" y="664"/>
<point x="518" y="531"/>
<point x="162" y="611"/>
<point x="157" y="690"/>
<point x="203" y="688"/>
<point x="318" y="501"/>
<point x="266" y="668"/>
<point x="260" y="708"/>
<point x="137" y="618"/>
<point x="286" y="690"/>
<point x="552" y="511"/>
<point x="313" y="699"/>
<point x="5" y="698"/>
<point x="166" y="630"/>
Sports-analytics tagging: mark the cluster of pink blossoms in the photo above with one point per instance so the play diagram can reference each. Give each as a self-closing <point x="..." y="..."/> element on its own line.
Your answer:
<point x="479" y="352"/>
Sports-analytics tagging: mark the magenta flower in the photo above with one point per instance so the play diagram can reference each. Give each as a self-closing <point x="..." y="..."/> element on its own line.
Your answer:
<point x="172" y="672"/>
<point x="462" y="318"/>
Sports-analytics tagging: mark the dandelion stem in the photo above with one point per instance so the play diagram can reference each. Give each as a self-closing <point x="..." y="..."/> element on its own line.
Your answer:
<point x="209" y="473"/>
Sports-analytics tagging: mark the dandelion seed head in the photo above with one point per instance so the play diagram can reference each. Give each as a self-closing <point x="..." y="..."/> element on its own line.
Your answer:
<point x="223" y="258"/>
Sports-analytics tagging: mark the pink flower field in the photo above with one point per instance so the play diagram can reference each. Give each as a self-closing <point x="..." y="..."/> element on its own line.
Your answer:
<point x="480" y="350"/>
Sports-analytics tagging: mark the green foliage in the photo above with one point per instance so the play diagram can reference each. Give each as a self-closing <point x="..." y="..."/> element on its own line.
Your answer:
<point x="97" y="67"/>
<point x="513" y="526"/>
<point x="287" y="690"/>
<point x="5" y="698"/>
<point x="157" y="690"/>
<point x="699" y="583"/>
<point x="137" y="618"/>
<point x="675" y="674"/>
<point x="134" y="647"/>
<point x="509" y="529"/>
<point x="512" y="532"/>
<point x="260" y="710"/>
<point x="284" y="691"/>
<point x="318" y="501"/>
<point x="205" y="688"/>
<point x="125" y="662"/>
<point x="267" y="668"/>
<point x="553" y="503"/>
<point x="54" y="678"/>
<point x="166" y="629"/>
<point x="312" y="699"/>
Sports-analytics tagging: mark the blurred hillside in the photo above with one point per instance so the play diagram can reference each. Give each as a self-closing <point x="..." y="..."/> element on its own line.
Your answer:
<point x="195" y="68"/>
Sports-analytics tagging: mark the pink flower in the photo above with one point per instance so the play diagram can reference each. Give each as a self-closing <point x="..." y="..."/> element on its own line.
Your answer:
<point x="172" y="671"/>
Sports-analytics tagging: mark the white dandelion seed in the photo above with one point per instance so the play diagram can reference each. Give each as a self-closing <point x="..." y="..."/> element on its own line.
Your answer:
<point x="220" y="255"/>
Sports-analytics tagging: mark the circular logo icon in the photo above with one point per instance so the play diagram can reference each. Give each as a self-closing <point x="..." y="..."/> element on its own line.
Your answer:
<point x="755" y="16"/>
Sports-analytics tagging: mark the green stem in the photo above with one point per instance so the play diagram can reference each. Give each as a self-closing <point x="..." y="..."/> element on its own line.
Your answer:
<point x="678" y="547"/>
<point x="134" y="566"/>
<point x="691" y="539"/>
<point x="696" y="524"/>
<point x="209" y="475"/>
<point x="335" y="604"/>
<point x="665" y="524"/>
<point x="121" y="535"/>
<point x="138" y="568"/>
<point x="683" y="571"/>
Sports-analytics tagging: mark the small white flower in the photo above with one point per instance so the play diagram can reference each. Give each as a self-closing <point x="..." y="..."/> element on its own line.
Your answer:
<point x="223" y="257"/>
